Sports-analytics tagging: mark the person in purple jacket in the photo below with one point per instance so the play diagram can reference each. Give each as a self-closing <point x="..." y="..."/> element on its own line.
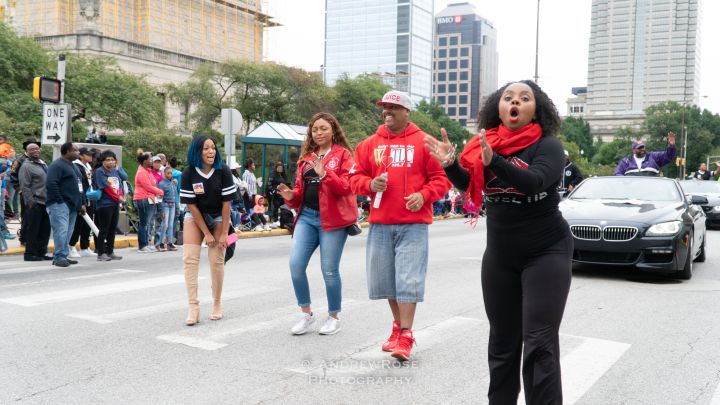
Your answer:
<point x="642" y="163"/>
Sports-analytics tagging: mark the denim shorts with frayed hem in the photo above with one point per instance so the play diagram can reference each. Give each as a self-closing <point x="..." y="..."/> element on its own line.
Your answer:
<point x="397" y="257"/>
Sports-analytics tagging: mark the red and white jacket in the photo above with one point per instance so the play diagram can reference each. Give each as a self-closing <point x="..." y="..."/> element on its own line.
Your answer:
<point x="410" y="169"/>
<point x="338" y="205"/>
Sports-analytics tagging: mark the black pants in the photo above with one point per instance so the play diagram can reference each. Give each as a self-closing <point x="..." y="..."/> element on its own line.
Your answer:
<point x="23" y="212"/>
<point x="36" y="229"/>
<point x="107" y="220"/>
<point x="276" y="201"/>
<point x="259" y="219"/>
<point x="524" y="299"/>
<point x="82" y="230"/>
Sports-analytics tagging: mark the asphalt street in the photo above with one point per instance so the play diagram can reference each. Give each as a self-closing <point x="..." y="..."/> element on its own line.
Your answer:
<point x="113" y="332"/>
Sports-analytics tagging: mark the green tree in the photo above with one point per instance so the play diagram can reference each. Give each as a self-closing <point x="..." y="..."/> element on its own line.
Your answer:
<point x="21" y="59"/>
<point x="577" y="130"/>
<point x="111" y="97"/>
<point x="457" y="134"/>
<point x="260" y="91"/>
<point x="355" y="105"/>
<point x="703" y="131"/>
<point x="611" y="153"/>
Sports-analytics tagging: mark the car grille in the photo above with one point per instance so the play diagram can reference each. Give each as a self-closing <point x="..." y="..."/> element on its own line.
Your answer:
<point x="606" y="257"/>
<point x="619" y="233"/>
<point x="586" y="232"/>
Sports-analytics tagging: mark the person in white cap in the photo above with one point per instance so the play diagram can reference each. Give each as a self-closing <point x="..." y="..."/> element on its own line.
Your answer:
<point x="394" y="167"/>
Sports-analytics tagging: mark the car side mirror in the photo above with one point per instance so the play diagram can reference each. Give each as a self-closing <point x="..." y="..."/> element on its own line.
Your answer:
<point x="698" y="199"/>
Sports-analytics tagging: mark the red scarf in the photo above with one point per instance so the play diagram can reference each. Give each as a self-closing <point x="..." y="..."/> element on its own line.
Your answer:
<point x="503" y="142"/>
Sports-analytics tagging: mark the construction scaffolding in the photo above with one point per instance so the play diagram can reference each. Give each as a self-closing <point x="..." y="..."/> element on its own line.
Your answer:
<point x="216" y="30"/>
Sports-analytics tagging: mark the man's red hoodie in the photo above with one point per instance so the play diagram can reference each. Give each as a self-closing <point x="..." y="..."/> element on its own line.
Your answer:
<point x="410" y="169"/>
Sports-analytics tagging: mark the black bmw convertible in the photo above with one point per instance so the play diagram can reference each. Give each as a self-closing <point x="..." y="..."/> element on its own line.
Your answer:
<point x="646" y="222"/>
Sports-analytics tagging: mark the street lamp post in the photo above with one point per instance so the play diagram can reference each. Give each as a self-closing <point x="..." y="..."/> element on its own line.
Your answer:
<point x="537" y="40"/>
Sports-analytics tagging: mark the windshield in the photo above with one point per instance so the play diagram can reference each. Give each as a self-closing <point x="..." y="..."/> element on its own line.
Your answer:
<point x="700" y="186"/>
<point x="627" y="188"/>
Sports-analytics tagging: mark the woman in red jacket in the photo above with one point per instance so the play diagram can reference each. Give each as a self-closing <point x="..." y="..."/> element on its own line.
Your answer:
<point x="327" y="207"/>
<point x="146" y="198"/>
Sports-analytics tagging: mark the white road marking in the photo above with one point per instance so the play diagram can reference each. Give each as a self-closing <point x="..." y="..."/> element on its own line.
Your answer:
<point x="166" y="307"/>
<point x="584" y="365"/>
<point x="115" y="272"/>
<point x="280" y="318"/>
<point x="367" y="361"/>
<point x="34" y="269"/>
<point x="92" y="291"/>
<point x="716" y="397"/>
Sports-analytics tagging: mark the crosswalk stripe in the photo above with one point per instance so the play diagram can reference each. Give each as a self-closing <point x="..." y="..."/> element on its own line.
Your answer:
<point x="584" y="365"/>
<point x="35" y="269"/>
<point x="716" y="397"/>
<point x="92" y="291"/>
<point x="166" y="307"/>
<point x="279" y="318"/>
<point x="54" y="280"/>
<point x="368" y="360"/>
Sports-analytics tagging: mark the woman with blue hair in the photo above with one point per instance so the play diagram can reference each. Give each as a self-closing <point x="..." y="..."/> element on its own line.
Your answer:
<point x="207" y="188"/>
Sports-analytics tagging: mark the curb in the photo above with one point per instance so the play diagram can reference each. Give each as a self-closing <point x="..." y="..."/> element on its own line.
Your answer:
<point x="127" y="242"/>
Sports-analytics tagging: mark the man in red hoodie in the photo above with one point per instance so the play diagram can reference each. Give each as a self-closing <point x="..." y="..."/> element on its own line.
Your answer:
<point x="396" y="170"/>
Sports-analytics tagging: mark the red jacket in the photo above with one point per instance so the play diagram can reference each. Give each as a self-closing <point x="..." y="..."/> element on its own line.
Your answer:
<point x="338" y="205"/>
<point x="410" y="169"/>
<point x="145" y="185"/>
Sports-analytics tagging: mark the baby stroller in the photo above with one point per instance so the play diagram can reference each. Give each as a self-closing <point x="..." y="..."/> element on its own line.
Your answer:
<point x="246" y="222"/>
<point x="287" y="218"/>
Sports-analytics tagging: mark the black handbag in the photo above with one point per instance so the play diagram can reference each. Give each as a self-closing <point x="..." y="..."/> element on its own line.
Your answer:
<point x="354" y="229"/>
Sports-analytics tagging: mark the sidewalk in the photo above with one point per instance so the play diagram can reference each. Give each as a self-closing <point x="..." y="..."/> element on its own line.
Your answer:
<point x="130" y="240"/>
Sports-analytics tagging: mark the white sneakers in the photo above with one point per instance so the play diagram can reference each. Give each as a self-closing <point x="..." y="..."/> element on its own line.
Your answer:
<point x="259" y="228"/>
<point x="146" y="249"/>
<point x="305" y="323"/>
<point x="73" y="253"/>
<point x="87" y="253"/>
<point x="330" y="327"/>
<point x="267" y="227"/>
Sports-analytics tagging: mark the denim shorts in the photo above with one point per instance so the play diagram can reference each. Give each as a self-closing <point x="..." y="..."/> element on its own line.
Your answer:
<point x="397" y="257"/>
<point x="188" y="215"/>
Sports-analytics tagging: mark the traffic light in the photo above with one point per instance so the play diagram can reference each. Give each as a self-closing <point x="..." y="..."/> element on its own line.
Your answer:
<point x="45" y="89"/>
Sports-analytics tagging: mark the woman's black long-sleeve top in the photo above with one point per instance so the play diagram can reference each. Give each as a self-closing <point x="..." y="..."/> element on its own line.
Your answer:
<point x="520" y="195"/>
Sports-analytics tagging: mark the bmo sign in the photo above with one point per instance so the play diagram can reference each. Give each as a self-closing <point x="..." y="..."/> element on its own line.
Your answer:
<point x="450" y="20"/>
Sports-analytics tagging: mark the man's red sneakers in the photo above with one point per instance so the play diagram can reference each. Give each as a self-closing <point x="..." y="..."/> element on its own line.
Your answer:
<point x="389" y="345"/>
<point x="404" y="345"/>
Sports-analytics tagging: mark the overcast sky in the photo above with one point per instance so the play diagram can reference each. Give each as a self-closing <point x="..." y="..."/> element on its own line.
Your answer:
<point x="564" y="37"/>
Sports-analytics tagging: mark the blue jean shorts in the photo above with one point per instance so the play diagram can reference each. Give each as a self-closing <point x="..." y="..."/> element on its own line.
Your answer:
<point x="188" y="215"/>
<point x="397" y="257"/>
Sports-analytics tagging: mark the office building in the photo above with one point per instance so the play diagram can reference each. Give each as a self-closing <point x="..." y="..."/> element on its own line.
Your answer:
<point x="465" y="62"/>
<point x="391" y="39"/>
<point x="162" y="39"/>
<point x="641" y="53"/>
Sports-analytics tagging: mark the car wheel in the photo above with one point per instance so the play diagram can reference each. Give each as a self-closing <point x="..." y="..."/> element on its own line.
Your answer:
<point x="701" y="256"/>
<point x="686" y="272"/>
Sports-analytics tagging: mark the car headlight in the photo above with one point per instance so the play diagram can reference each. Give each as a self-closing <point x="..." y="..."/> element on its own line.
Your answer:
<point x="716" y="208"/>
<point x="663" y="229"/>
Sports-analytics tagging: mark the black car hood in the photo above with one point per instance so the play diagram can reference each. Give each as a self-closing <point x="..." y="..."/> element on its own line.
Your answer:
<point x="647" y="212"/>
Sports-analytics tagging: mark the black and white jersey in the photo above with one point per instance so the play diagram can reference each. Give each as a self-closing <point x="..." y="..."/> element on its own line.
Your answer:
<point x="207" y="191"/>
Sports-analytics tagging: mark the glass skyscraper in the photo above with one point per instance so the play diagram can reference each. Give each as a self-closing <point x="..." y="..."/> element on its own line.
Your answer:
<point x="391" y="39"/>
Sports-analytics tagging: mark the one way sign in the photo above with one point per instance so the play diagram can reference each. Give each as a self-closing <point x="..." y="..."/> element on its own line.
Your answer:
<point x="56" y="123"/>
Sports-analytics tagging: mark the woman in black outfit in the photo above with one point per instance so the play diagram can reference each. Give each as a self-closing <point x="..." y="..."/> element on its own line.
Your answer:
<point x="526" y="270"/>
<point x="277" y="178"/>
